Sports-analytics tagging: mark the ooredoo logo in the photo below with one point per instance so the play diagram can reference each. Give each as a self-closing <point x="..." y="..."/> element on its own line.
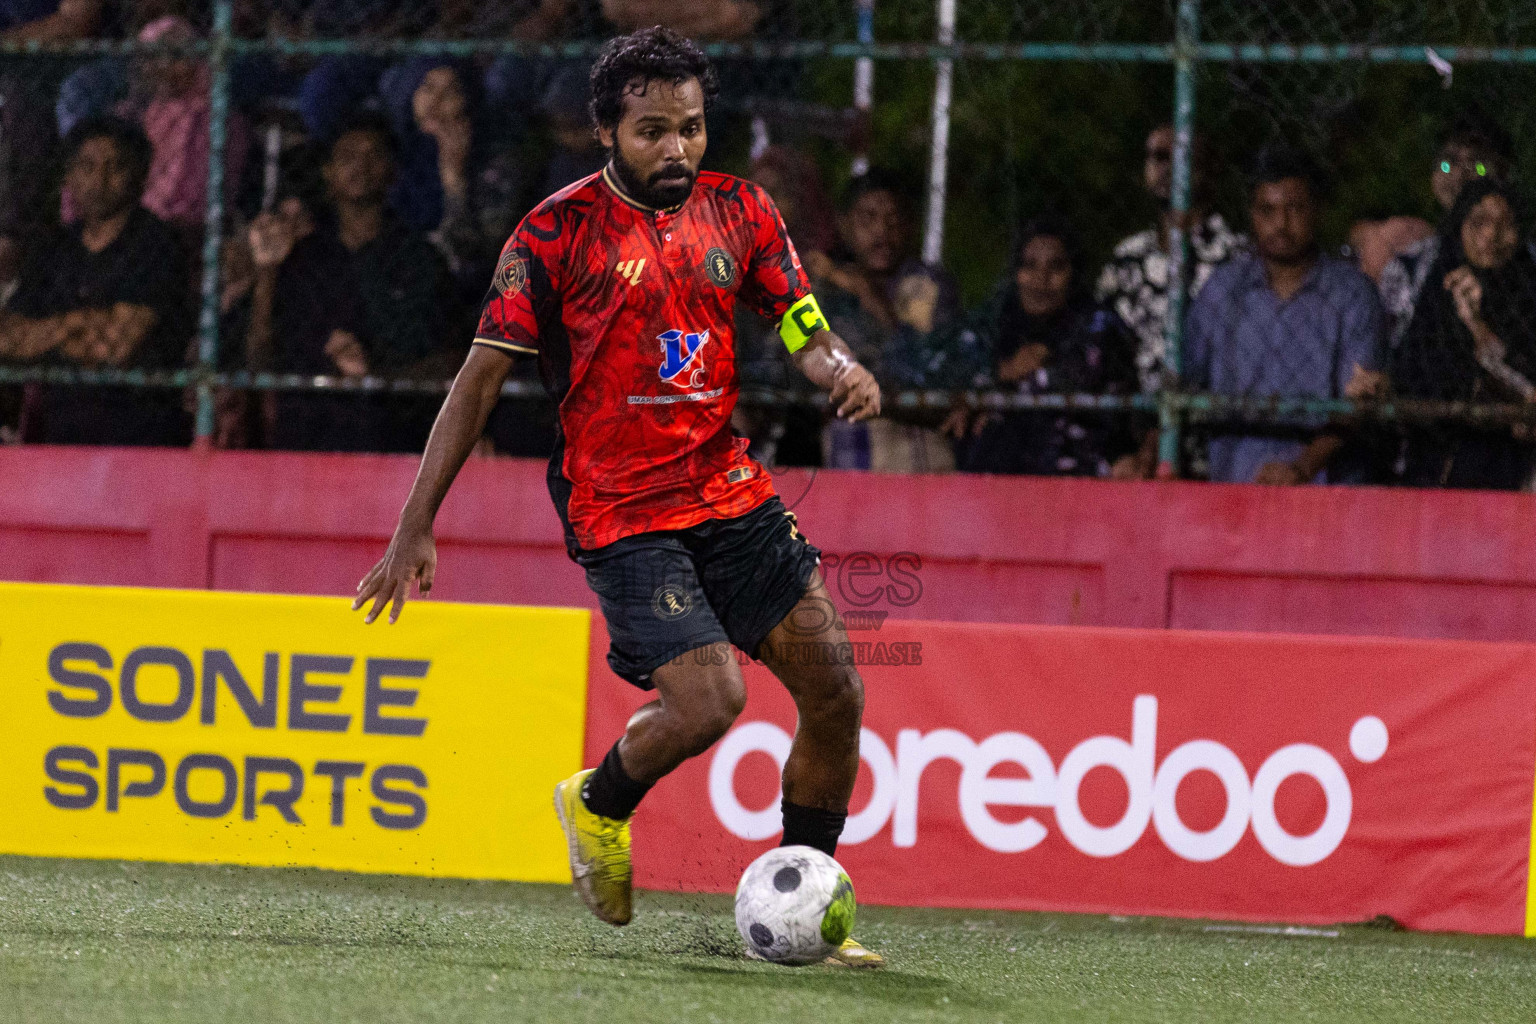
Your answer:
<point x="1250" y="803"/>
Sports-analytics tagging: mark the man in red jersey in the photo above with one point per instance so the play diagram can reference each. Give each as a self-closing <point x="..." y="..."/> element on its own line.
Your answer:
<point x="624" y="285"/>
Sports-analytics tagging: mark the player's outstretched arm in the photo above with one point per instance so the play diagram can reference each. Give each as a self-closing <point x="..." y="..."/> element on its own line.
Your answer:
<point x="412" y="553"/>
<point x="827" y="362"/>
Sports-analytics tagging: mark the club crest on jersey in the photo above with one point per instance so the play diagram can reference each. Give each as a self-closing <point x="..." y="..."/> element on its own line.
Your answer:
<point x="681" y="361"/>
<point x="511" y="273"/>
<point x="720" y="267"/>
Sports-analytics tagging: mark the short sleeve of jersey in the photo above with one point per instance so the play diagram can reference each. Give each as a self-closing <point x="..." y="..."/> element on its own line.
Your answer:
<point x="521" y="291"/>
<point x="775" y="280"/>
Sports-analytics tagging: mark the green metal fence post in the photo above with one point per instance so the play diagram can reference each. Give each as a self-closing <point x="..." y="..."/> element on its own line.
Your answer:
<point x="213" y="228"/>
<point x="1185" y="62"/>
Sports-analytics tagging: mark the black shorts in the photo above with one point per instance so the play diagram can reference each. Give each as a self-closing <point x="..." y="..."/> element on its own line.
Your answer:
<point x="669" y="592"/>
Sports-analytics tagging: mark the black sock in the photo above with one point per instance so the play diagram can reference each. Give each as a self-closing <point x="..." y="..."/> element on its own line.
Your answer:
<point x="610" y="791"/>
<point x="811" y="826"/>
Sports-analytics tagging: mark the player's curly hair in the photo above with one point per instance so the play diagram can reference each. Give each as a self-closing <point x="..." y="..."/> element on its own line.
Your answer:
<point x="649" y="55"/>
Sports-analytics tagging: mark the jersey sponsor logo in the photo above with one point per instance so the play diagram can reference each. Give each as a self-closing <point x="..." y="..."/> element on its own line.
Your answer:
<point x="681" y="360"/>
<point x="511" y="273"/>
<point x="720" y="267"/>
<point x="688" y="396"/>
<point x="630" y="270"/>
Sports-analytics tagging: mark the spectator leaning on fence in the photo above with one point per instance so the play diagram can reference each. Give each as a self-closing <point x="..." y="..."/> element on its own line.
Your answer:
<point x="177" y="118"/>
<point x="110" y="291"/>
<point x="362" y="294"/>
<point x="456" y="182"/>
<point x="28" y="87"/>
<point x="1048" y="338"/>
<point x="901" y="319"/>
<point x="1285" y="321"/>
<point x="1473" y="149"/>
<point x="1136" y="282"/>
<point x="1472" y="338"/>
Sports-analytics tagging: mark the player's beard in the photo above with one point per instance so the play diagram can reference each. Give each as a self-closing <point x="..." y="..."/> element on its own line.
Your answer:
<point x="662" y="193"/>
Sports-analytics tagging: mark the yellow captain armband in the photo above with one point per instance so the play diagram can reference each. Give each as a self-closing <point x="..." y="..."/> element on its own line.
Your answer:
<point x="802" y="320"/>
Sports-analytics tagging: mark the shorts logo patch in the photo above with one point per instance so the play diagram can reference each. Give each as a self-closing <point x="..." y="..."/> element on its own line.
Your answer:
<point x="720" y="267"/>
<point x="671" y="601"/>
<point x="511" y="273"/>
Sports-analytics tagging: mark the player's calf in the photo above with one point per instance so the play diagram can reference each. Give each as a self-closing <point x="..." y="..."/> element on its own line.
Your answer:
<point x="702" y="694"/>
<point x="824" y="759"/>
<point x="825" y="756"/>
<point x="714" y="700"/>
<point x="701" y="698"/>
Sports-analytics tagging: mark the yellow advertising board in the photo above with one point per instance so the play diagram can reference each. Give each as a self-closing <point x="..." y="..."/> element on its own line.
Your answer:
<point x="253" y="729"/>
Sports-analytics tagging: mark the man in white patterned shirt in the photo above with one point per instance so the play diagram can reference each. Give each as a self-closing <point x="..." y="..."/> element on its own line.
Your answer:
<point x="1135" y="283"/>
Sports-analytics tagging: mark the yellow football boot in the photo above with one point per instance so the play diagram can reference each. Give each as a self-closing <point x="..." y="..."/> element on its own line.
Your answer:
<point x="853" y="954"/>
<point x="599" y="849"/>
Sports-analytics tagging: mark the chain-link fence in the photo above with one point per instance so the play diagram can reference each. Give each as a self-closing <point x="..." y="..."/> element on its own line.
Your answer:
<point x="1068" y="178"/>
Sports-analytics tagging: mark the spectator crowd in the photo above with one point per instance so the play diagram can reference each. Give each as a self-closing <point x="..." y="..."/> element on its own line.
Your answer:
<point x="367" y="199"/>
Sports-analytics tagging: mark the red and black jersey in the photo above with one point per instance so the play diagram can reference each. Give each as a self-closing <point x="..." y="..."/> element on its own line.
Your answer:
<point x="630" y="311"/>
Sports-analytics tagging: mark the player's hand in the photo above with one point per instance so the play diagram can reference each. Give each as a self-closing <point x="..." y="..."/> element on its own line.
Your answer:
<point x="855" y="395"/>
<point x="412" y="556"/>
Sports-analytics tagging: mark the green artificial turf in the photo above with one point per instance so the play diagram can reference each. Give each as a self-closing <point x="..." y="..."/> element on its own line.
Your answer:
<point x="101" y="942"/>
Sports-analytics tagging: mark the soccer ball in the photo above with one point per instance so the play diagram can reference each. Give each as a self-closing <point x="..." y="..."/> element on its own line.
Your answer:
<point x="794" y="905"/>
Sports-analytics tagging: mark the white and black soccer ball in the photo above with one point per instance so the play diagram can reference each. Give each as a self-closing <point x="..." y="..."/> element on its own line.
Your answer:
<point x="794" y="905"/>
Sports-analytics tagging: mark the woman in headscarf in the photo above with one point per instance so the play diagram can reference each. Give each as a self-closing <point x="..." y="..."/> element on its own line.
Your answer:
<point x="1049" y="338"/>
<point x="176" y="119"/>
<point x="1472" y="338"/>
<point x="454" y="180"/>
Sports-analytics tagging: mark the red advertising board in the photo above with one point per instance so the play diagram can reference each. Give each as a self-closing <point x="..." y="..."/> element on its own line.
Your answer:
<point x="1236" y="776"/>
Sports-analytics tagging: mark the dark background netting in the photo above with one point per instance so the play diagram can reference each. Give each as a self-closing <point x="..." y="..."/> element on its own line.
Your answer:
<point x="1058" y="133"/>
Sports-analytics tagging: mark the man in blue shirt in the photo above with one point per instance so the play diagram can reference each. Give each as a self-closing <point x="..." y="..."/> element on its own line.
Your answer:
<point x="1285" y="322"/>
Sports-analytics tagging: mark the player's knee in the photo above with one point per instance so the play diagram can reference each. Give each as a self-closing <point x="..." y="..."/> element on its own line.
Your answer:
<point x="850" y="694"/>
<point x="841" y="698"/>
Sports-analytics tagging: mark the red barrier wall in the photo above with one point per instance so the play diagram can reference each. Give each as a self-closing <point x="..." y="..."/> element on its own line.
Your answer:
<point x="1052" y="552"/>
<point x="1310" y="560"/>
<point x="1191" y="774"/>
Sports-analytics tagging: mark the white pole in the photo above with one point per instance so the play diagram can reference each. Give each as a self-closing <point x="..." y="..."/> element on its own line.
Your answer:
<point x="938" y="157"/>
<point x="864" y="85"/>
<point x="270" y="166"/>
